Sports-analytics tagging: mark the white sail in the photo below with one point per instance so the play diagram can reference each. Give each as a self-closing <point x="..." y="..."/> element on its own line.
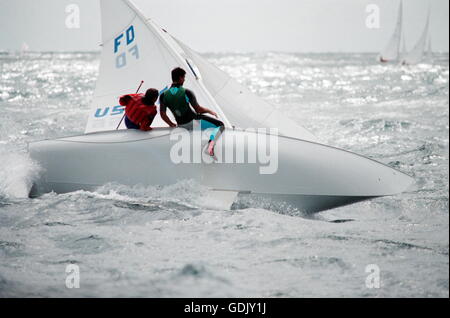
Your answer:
<point x="404" y="50"/>
<point x="135" y="49"/>
<point x="392" y="50"/>
<point x="243" y="108"/>
<point x="430" y="50"/>
<point x="418" y="52"/>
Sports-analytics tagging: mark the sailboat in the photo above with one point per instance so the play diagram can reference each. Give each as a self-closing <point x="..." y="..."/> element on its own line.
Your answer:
<point x="430" y="50"/>
<point x="417" y="54"/>
<point x="310" y="176"/>
<point x="391" y="53"/>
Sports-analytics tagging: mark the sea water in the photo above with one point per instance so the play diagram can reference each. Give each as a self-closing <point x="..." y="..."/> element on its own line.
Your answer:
<point x="170" y="242"/>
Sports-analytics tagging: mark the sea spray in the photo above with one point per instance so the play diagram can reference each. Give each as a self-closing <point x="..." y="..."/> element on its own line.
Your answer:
<point x="17" y="174"/>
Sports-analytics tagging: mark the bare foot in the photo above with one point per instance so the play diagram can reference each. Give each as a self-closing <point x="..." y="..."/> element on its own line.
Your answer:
<point x="212" y="144"/>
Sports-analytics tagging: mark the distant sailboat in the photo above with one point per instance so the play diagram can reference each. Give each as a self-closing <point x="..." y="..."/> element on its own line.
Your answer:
<point x="417" y="53"/>
<point x="404" y="51"/>
<point x="430" y="50"/>
<point x="392" y="51"/>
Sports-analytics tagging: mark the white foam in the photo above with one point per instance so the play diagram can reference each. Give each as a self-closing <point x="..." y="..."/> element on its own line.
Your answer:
<point x="17" y="174"/>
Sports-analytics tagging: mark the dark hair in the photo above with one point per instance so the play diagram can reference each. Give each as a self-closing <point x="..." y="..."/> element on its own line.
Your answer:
<point x="151" y="96"/>
<point x="124" y="100"/>
<point x="177" y="74"/>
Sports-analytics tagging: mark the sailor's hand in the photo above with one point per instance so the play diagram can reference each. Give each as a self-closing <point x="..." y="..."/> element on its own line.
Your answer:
<point x="214" y="114"/>
<point x="172" y="125"/>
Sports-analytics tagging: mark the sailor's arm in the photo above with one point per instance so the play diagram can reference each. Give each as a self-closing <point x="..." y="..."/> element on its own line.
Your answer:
<point x="199" y="109"/>
<point x="148" y="121"/>
<point x="163" y="113"/>
<point x="167" y="119"/>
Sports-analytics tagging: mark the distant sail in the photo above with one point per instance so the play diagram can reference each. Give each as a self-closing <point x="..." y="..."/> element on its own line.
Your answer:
<point x="430" y="50"/>
<point x="392" y="50"/>
<point x="418" y="52"/>
<point x="136" y="49"/>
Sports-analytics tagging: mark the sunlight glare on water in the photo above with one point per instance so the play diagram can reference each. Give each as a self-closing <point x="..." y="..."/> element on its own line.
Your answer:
<point x="171" y="242"/>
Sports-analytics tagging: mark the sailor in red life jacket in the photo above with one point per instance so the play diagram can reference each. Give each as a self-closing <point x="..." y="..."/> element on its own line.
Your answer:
<point x="140" y="109"/>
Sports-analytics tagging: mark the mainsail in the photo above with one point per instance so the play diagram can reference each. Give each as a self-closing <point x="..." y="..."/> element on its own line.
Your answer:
<point x="243" y="108"/>
<point x="392" y="50"/>
<point x="430" y="50"/>
<point x="136" y="49"/>
<point x="404" y="50"/>
<point x="418" y="52"/>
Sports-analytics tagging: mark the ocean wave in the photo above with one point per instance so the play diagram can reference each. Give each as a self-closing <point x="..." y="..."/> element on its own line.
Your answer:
<point x="175" y="241"/>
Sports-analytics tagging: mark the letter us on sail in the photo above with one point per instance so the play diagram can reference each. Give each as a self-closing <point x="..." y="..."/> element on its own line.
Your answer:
<point x="109" y="111"/>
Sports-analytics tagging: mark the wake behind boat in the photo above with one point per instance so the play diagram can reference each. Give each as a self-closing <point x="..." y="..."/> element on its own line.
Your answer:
<point x="303" y="173"/>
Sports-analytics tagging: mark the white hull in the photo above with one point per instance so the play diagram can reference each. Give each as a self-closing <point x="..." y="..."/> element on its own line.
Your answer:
<point x="310" y="176"/>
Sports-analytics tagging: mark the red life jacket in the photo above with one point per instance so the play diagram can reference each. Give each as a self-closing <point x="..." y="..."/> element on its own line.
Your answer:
<point x="139" y="113"/>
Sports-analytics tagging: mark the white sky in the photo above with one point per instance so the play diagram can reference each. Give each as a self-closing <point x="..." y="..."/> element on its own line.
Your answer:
<point x="231" y="25"/>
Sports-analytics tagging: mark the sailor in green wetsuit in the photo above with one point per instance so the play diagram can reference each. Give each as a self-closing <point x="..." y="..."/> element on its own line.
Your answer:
<point x="179" y="100"/>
